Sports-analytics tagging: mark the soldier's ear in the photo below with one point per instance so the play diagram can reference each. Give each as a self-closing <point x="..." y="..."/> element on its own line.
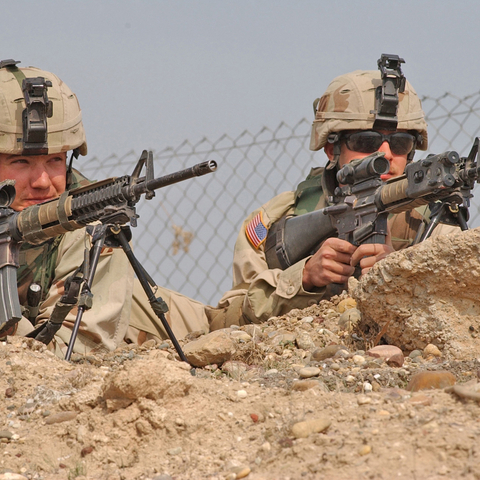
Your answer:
<point x="329" y="150"/>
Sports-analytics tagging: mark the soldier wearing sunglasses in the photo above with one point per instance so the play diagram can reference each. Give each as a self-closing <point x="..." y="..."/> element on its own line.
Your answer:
<point x="360" y="113"/>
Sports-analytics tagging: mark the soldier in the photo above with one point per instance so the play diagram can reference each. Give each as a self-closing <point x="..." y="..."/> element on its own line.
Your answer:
<point x="40" y="121"/>
<point x="348" y="125"/>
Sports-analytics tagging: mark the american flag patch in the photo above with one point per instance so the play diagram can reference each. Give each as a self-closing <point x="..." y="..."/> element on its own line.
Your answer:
<point x="256" y="230"/>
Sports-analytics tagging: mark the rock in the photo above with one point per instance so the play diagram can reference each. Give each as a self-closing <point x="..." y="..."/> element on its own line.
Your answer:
<point x="364" y="399"/>
<point x="346" y="304"/>
<point x="242" y="394"/>
<point x="152" y="378"/>
<point x="327" y="352"/>
<point x="367" y="387"/>
<point x="415" y="354"/>
<point x="349" y="319"/>
<point x="305" y="429"/>
<point x="302" y="385"/>
<point x="254" y="331"/>
<point x="431" y="349"/>
<point x="430" y="380"/>
<point x="241" y="472"/>
<point x="240" y="335"/>
<point x="234" y="368"/>
<point x="396" y="360"/>
<point x="12" y="476"/>
<point x="216" y="347"/>
<point x="420" y="400"/>
<point x="308" y="372"/>
<point x="304" y="341"/>
<point x="364" y="450"/>
<point x="385" y="352"/>
<point x="358" y="359"/>
<point x="60" y="417"/>
<point x="282" y="338"/>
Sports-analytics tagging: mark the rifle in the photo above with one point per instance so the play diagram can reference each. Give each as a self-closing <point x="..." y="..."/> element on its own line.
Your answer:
<point x="361" y="206"/>
<point x="110" y="203"/>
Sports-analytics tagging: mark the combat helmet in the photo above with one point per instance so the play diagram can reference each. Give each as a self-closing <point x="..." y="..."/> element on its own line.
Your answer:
<point x="369" y="99"/>
<point x="39" y="114"/>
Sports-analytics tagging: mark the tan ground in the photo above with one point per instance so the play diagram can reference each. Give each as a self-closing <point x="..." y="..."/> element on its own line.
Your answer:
<point x="141" y="414"/>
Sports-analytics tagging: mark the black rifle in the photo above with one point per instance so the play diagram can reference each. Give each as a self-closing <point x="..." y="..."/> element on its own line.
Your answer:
<point x="361" y="207"/>
<point x="110" y="203"/>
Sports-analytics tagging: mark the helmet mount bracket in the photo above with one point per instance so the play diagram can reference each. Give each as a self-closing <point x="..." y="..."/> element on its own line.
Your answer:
<point x="34" y="117"/>
<point x="386" y="95"/>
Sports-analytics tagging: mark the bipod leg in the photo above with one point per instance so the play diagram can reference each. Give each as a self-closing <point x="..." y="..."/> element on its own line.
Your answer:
<point x="158" y="304"/>
<point x="98" y="240"/>
<point x="462" y="221"/>
<point x="434" y="221"/>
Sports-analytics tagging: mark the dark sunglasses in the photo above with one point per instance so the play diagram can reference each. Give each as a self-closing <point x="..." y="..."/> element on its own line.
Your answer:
<point x="401" y="143"/>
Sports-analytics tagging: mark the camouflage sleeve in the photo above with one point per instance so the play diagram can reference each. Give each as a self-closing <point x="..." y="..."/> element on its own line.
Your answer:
<point x="260" y="292"/>
<point x="104" y="325"/>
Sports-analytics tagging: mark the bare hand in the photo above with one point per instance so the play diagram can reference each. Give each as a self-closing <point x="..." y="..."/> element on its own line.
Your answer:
<point x="368" y="254"/>
<point x="335" y="261"/>
<point x="330" y="264"/>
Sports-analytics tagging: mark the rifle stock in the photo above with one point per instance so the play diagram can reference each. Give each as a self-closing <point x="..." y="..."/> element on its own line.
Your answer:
<point x="110" y="201"/>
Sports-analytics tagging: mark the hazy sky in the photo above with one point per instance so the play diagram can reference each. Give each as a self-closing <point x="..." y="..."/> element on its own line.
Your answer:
<point x="150" y="74"/>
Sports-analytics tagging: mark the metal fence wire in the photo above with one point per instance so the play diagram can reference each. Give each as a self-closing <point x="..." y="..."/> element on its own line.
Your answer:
<point x="186" y="234"/>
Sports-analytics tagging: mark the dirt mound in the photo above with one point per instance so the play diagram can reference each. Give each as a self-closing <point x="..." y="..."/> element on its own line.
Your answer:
<point x="426" y="294"/>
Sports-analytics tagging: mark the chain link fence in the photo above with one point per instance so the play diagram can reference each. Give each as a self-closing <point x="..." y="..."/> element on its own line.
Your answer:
<point x="186" y="234"/>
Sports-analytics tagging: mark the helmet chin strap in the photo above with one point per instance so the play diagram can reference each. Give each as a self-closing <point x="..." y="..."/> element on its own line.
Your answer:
<point x="337" y="148"/>
<point x="75" y="154"/>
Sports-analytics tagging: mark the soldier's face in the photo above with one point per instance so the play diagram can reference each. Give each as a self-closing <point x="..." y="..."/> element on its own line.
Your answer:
<point x="38" y="178"/>
<point x="397" y="162"/>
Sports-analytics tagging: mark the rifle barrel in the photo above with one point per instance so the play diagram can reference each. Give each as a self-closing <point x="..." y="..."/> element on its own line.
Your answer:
<point x="196" y="171"/>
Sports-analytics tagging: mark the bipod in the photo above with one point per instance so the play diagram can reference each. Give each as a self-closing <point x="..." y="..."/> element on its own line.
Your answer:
<point x="99" y="235"/>
<point x="447" y="212"/>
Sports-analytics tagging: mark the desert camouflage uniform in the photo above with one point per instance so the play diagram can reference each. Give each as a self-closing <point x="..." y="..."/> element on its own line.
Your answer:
<point x="260" y="292"/>
<point x="120" y="310"/>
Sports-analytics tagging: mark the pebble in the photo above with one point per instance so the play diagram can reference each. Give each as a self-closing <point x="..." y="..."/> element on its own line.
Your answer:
<point x="234" y="368"/>
<point x="302" y="385"/>
<point x="305" y="342"/>
<point x="415" y="353"/>
<point x="431" y="349"/>
<point x="367" y="387"/>
<point x="266" y="447"/>
<point x="240" y="335"/>
<point x="349" y="318"/>
<point x="327" y="352"/>
<point x="242" y="394"/>
<point x="242" y="472"/>
<point x="6" y="434"/>
<point x="346" y="304"/>
<point x="306" y="428"/>
<point x="175" y="451"/>
<point x="358" y="359"/>
<point x="309" y="372"/>
<point x="60" y="417"/>
<point x="364" y="399"/>
<point x="365" y="450"/>
<point x="420" y="400"/>
<point x="385" y="352"/>
<point x="429" y="380"/>
<point x="307" y="319"/>
<point x="342" y="354"/>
